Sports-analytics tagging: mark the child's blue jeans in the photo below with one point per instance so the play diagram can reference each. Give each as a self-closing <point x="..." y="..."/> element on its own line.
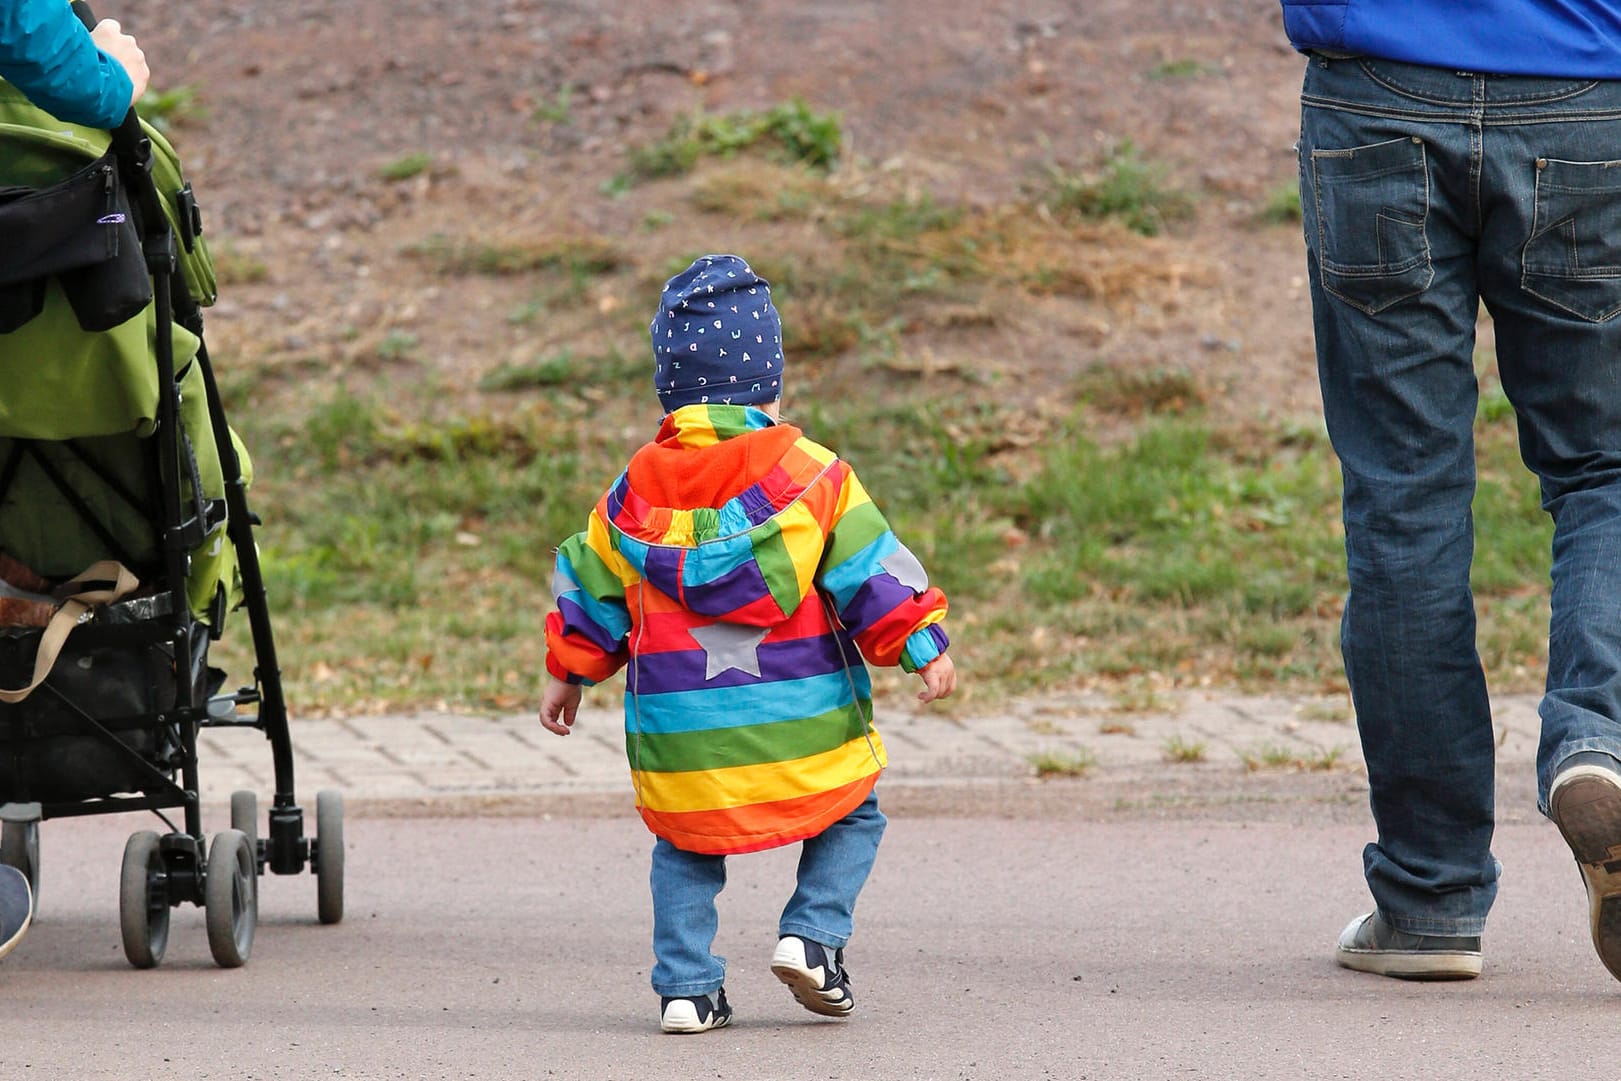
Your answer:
<point x="833" y="866"/>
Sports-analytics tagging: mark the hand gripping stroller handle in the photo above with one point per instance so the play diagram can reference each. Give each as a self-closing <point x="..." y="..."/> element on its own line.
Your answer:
<point x="134" y="153"/>
<point x="127" y="137"/>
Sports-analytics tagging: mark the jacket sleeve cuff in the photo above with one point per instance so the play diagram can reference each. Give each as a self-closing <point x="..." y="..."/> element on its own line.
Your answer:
<point x="556" y="669"/>
<point x="922" y="646"/>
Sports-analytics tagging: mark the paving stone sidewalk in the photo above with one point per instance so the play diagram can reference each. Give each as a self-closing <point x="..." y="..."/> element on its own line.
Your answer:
<point x="436" y="755"/>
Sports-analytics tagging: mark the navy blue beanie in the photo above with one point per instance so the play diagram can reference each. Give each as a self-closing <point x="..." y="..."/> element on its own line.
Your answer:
<point x="716" y="337"/>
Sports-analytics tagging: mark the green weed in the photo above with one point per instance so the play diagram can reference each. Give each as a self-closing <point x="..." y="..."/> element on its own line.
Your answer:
<point x="564" y="369"/>
<point x="398" y="345"/>
<point x="1282" y="204"/>
<point x="1186" y="68"/>
<point x="1276" y="756"/>
<point x="580" y="256"/>
<point x="558" y="108"/>
<point x="1134" y="392"/>
<point x="1336" y="710"/>
<point x="1125" y="188"/>
<point x="407" y="167"/>
<point x="1178" y="749"/>
<point x="175" y="107"/>
<point x="233" y="267"/>
<point x="1077" y="763"/>
<point x="794" y="131"/>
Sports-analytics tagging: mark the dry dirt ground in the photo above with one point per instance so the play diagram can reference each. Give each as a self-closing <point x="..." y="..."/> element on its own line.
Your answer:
<point x="527" y="106"/>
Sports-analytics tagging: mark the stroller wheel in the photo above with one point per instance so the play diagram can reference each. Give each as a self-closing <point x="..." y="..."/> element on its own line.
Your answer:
<point x="143" y="901"/>
<point x="329" y="855"/>
<point x="231" y="898"/>
<point x="19" y="846"/>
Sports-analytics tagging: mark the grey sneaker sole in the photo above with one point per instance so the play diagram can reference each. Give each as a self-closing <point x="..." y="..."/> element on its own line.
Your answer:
<point x="1586" y="806"/>
<point x="1405" y="964"/>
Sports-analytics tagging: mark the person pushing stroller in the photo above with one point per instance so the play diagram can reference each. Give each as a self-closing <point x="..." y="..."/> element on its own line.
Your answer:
<point x="741" y="573"/>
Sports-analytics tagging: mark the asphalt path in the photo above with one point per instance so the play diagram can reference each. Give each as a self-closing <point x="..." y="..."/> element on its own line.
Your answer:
<point x="1053" y="931"/>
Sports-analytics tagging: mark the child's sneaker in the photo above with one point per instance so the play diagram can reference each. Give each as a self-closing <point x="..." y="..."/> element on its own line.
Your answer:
<point x="817" y="979"/>
<point x="694" y="1013"/>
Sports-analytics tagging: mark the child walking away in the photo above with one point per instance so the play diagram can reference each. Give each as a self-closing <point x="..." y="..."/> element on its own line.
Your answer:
<point x="740" y="573"/>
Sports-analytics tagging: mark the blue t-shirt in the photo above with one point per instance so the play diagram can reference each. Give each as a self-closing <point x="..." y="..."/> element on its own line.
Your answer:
<point x="47" y="54"/>
<point x="1578" y="39"/>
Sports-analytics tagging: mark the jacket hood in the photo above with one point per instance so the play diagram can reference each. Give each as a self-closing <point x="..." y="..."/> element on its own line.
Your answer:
<point x="741" y="557"/>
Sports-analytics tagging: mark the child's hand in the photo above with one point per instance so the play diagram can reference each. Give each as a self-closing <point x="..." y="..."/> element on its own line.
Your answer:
<point x="939" y="679"/>
<point x="558" y="705"/>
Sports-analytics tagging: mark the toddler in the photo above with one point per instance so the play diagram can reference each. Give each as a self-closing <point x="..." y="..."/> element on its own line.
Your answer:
<point x="740" y="573"/>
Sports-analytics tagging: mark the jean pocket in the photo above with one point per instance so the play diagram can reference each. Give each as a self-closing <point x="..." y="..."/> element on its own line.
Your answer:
<point x="1371" y="203"/>
<point x="1572" y="259"/>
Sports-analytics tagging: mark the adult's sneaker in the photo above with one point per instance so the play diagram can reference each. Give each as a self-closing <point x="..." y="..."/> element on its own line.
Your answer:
<point x="1585" y="803"/>
<point x="816" y="976"/>
<point x="1369" y="944"/>
<point x="16" y="907"/>
<point x="694" y="1013"/>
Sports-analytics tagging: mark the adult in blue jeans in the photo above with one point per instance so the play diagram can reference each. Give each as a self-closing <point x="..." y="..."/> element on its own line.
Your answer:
<point x="89" y="77"/>
<point x="1450" y="158"/>
<point x="85" y="77"/>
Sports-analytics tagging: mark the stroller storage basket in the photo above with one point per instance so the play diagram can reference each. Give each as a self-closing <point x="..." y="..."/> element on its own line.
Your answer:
<point x="105" y="678"/>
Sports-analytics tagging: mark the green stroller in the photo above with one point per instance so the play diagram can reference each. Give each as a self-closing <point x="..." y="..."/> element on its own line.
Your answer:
<point x="126" y="538"/>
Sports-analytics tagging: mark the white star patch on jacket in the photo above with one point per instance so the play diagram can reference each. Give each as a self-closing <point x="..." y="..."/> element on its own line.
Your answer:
<point x="730" y="645"/>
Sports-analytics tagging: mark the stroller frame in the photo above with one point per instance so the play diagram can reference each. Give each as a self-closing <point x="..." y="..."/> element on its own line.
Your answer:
<point x="163" y="872"/>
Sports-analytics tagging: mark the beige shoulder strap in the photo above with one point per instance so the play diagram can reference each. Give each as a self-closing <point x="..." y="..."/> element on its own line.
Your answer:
<point x="70" y="615"/>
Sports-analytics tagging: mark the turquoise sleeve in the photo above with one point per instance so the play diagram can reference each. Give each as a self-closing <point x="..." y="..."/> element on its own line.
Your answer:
<point x="47" y="54"/>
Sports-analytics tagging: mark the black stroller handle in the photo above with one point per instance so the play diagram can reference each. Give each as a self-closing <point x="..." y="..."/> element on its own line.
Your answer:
<point x="127" y="137"/>
<point x="134" y="153"/>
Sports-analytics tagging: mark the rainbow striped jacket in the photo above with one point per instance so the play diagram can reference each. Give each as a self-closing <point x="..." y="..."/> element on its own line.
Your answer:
<point x="743" y="628"/>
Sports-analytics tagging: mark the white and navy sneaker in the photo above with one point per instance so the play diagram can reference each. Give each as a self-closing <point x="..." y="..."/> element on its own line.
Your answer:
<point x="694" y="1013"/>
<point x="816" y="976"/>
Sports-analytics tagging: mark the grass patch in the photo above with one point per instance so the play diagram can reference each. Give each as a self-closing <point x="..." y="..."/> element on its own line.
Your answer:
<point x="1185" y="68"/>
<point x="1281" y="205"/>
<point x="398" y="345"/>
<point x="171" y="108"/>
<point x="1125" y="188"/>
<point x="1180" y="516"/>
<point x="557" y="109"/>
<point x="1337" y="710"/>
<point x="1077" y="763"/>
<point x="564" y="369"/>
<point x="397" y="536"/>
<point x="764" y="192"/>
<point x="407" y="167"/>
<point x="1276" y="756"/>
<point x="408" y="545"/>
<point x="1131" y="392"/>
<point x="233" y="267"/>
<point x="1178" y="749"/>
<point x="579" y="256"/>
<point x="794" y="132"/>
